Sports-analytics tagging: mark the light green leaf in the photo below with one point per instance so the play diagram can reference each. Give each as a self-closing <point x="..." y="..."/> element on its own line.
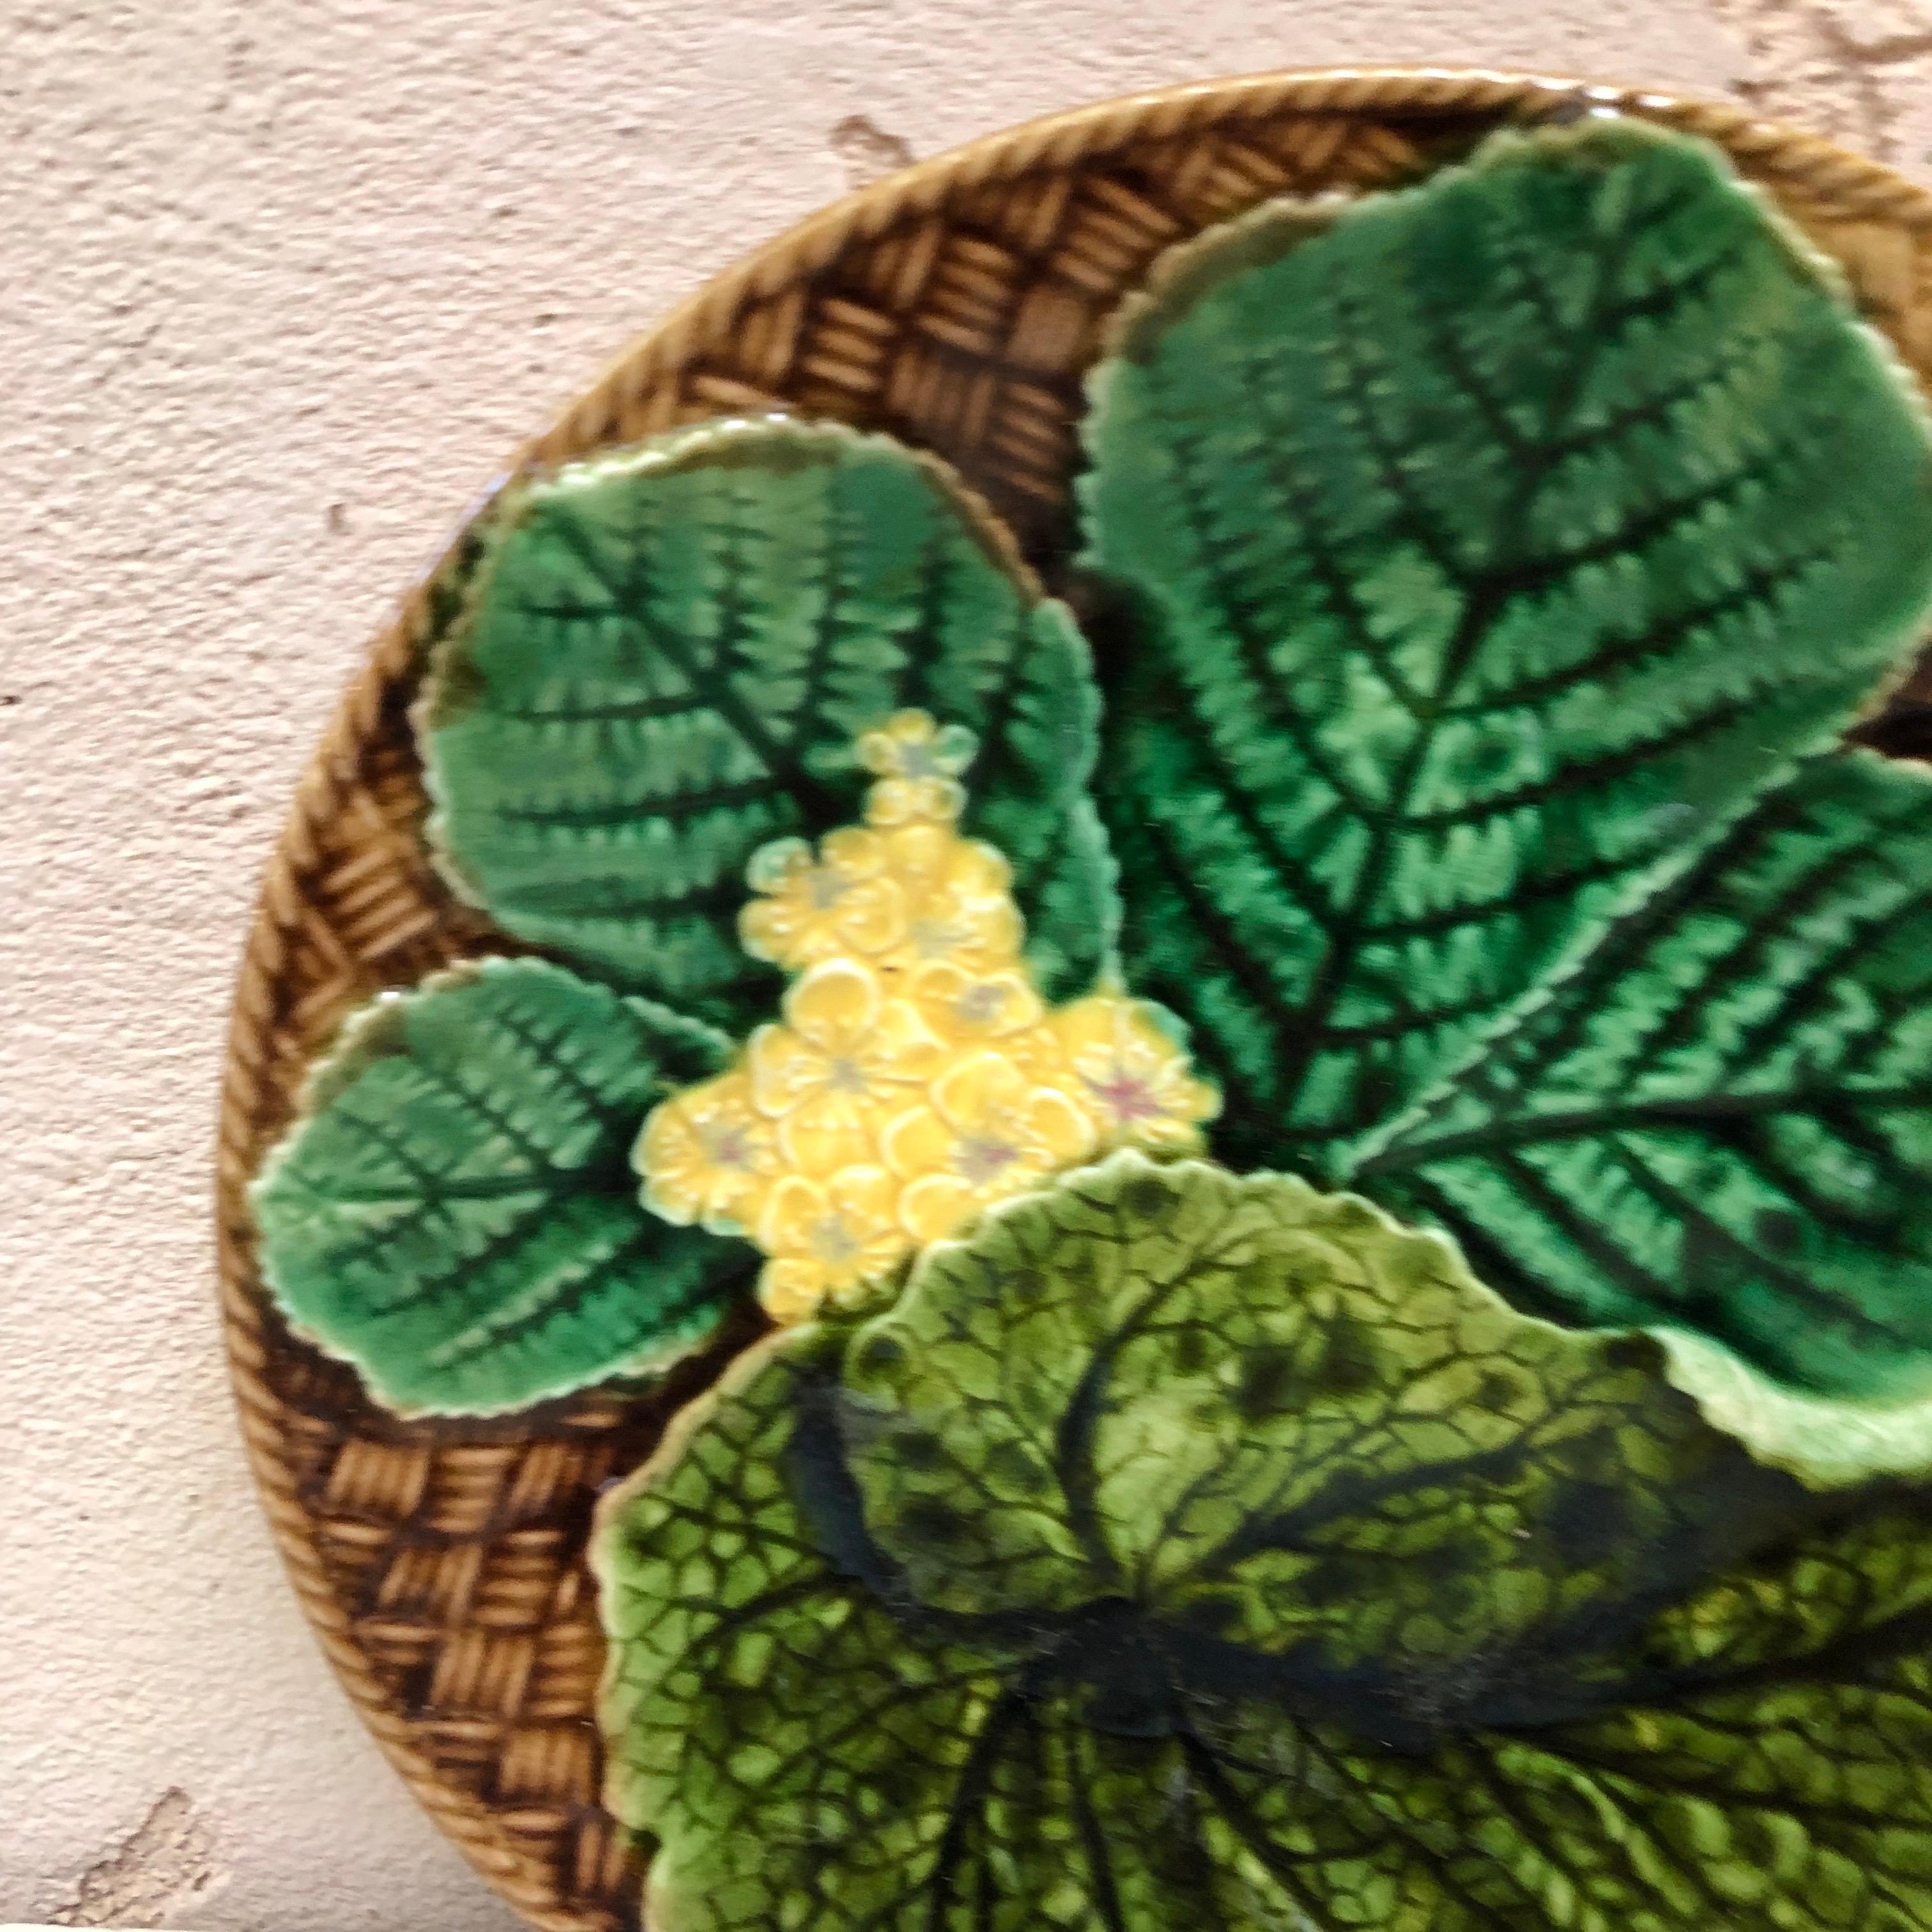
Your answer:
<point x="1276" y="1421"/>
<point x="1417" y="1717"/>
<point x="1720" y="1121"/>
<point x="1776" y="1771"/>
<point x="766" y="1723"/>
<point x="805" y="1756"/>
<point x="1489" y="543"/>
<point x="456" y="1214"/>
<point x="664" y="658"/>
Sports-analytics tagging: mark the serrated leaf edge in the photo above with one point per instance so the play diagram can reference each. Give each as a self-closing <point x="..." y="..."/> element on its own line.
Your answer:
<point x="1827" y="1442"/>
<point x="696" y="443"/>
<point x="685" y="1425"/>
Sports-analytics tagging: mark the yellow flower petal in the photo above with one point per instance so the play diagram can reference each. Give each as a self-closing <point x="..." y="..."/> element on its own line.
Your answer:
<point x="932" y="859"/>
<point x="932" y="1206"/>
<point x="1196" y="1100"/>
<point x="903" y="1048"/>
<point x="667" y="1156"/>
<point x="1130" y="1073"/>
<point x="916" y="1142"/>
<point x="964" y="1007"/>
<point x="901" y="801"/>
<point x="872" y="918"/>
<point x="673" y="1198"/>
<point x="705" y="1154"/>
<point x="1057" y="1128"/>
<point x="911" y="745"/>
<point x="844" y="900"/>
<point x="976" y="870"/>
<point x="784" y="1069"/>
<point x="869" y="917"/>
<point x="793" y="1209"/>
<point x="1088" y="1024"/>
<point x="791" y="1289"/>
<point x="834" y="1005"/>
<point x="865" y="1196"/>
<point x="1036" y="1052"/>
<point x="983" y="1085"/>
<point x="918" y="854"/>
<point x="841" y="1233"/>
<point x="1169" y="1133"/>
<point x="882" y="750"/>
<point x="979" y="936"/>
<point x="771" y="929"/>
<point x="825" y="1132"/>
<point x="954" y="748"/>
<point x="864" y="1285"/>
<point x="856" y="851"/>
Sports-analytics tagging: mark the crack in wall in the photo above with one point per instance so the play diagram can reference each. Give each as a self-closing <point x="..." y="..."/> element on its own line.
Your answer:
<point x="868" y="151"/>
<point x="1829" y="65"/>
<point x="170" y="1859"/>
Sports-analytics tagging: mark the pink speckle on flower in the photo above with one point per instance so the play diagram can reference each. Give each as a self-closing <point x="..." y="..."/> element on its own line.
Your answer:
<point x="1127" y="1096"/>
<point x="981" y="1005"/>
<point x="981" y="1162"/>
<point x="834" y="1242"/>
<point x="845" y="1075"/>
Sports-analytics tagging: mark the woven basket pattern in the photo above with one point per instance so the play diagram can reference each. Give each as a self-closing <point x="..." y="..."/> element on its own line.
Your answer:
<point x="957" y="306"/>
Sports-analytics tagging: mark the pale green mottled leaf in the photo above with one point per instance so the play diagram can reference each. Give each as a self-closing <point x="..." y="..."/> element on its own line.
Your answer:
<point x="1721" y="1120"/>
<point x="1490" y="545"/>
<point x="798" y="1761"/>
<point x="821" y="1726"/>
<point x="456" y="1212"/>
<point x="664" y="657"/>
<point x="1280" y="1423"/>
<point x="1774" y="1771"/>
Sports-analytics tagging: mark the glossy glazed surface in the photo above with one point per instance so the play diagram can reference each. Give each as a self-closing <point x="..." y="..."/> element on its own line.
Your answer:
<point x="1488" y="570"/>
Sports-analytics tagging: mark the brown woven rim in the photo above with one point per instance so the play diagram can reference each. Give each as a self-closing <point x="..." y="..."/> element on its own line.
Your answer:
<point x="956" y="305"/>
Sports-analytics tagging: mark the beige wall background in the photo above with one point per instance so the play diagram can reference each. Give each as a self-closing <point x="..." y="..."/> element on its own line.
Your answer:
<point x="282" y="282"/>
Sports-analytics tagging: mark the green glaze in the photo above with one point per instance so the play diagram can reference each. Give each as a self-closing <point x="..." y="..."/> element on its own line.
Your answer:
<point x="455" y="1213"/>
<point x="1720" y="1118"/>
<point x="1186" y="1550"/>
<point x="1486" y="547"/>
<point x="664" y="658"/>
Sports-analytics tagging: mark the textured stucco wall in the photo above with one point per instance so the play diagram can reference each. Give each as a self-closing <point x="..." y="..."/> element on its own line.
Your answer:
<point x="284" y="281"/>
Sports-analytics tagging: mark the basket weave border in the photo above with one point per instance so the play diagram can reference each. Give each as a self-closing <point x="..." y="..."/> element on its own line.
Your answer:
<point x="272" y="1026"/>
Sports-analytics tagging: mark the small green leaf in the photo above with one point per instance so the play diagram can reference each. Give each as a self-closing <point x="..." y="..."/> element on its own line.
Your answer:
<point x="665" y="657"/>
<point x="1721" y="1120"/>
<point x="1293" y="1581"/>
<point x="1490" y="544"/>
<point x="456" y="1213"/>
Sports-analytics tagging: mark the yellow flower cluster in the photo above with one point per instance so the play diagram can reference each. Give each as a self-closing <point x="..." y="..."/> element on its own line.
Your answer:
<point x="915" y="1075"/>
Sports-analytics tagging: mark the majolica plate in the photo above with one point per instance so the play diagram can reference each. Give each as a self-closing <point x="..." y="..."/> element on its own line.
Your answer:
<point x="1095" y="1089"/>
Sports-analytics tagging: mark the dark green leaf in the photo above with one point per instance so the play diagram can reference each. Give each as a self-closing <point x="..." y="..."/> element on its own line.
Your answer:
<point x="665" y="658"/>
<point x="456" y="1213"/>
<point x="1490" y="544"/>
<point x="1353" y="1600"/>
<point x="1721" y="1120"/>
